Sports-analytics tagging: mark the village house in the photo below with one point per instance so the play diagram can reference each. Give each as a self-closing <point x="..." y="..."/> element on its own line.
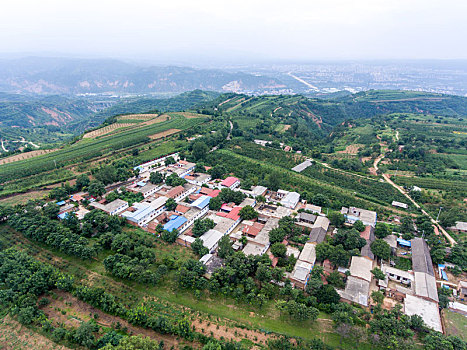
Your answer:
<point x="352" y="214"/>
<point x="357" y="288"/>
<point x="319" y="230"/>
<point x="141" y="213"/>
<point x="113" y="208"/>
<point x="230" y="182"/>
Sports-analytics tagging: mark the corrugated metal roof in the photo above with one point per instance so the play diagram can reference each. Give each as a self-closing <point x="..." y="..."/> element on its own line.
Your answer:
<point x="174" y="223"/>
<point x="202" y="202"/>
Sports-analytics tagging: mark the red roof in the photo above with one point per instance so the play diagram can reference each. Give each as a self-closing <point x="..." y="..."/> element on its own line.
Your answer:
<point x="366" y="233"/>
<point x="233" y="215"/>
<point x="226" y="207"/>
<point x="229" y="181"/>
<point x="182" y="208"/>
<point x="175" y="192"/>
<point x="253" y="230"/>
<point x="194" y="196"/>
<point x="214" y="193"/>
<point x="206" y="190"/>
<point x="189" y="177"/>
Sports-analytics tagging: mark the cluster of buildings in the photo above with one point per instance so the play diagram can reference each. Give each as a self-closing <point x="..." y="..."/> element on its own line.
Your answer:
<point x="416" y="289"/>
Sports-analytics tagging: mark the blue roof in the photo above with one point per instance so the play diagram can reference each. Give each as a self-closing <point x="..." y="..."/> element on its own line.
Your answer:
<point x="404" y="243"/>
<point x="62" y="215"/>
<point x="444" y="275"/>
<point x="175" y="223"/>
<point x="60" y="203"/>
<point x="201" y="202"/>
<point x="141" y="183"/>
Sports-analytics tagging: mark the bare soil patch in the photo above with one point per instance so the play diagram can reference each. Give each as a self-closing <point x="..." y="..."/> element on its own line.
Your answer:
<point x="14" y="335"/>
<point x="230" y="332"/>
<point x="77" y="311"/>
<point x="188" y="115"/>
<point x="162" y="134"/>
<point x="106" y="129"/>
<point x="26" y="155"/>
<point x="351" y="149"/>
<point x="138" y="116"/>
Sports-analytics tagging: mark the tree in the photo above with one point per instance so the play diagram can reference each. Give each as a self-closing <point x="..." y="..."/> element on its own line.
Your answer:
<point x="224" y="247"/>
<point x="382" y="230"/>
<point x="337" y="219"/>
<point x="377" y="296"/>
<point x="84" y="334"/>
<point x="319" y="199"/>
<point x="51" y="210"/>
<point x="335" y="279"/>
<point x="407" y="225"/>
<point x="276" y="235"/>
<point x="248" y="213"/>
<point x="381" y="249"/>
<point x="274" y="181"/>
<point x="200" y="149"/>
<point x="171" y="204"/>
<point x="359" y="226"/>
<point x="201" y="226"/>
<point x="217" y="172"/>
<point x="199" y="248"/>
<point x="156" y="178"/>
<point x="379" y="275"/>
<point x="323" y="251"/>
<point x="173" y="180"/>
<point x="82" y="181"/>
<point x="96" y="188"/>
<point x="327" y="295"/>
<point x="169" y="160"/>
<point x="170" y="236"/>
<point x="278" y="250"/>
<point x="136" y="343"/>
<point x="215" y="204"/>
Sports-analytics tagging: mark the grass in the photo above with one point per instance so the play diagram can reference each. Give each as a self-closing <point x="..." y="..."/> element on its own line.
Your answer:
<point x="456" y="324"/>
<point x="267" y="318"/>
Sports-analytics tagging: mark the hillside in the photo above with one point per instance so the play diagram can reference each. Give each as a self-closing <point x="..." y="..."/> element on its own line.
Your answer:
<point x="327" y="113"/>
<point x="82" y="76"/>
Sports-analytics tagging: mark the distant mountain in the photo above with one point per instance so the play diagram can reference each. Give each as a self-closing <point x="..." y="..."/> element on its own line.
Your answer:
<point x="37" y="75"/>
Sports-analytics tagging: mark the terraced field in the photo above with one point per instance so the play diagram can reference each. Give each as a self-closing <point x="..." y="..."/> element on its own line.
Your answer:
<point x="88" y="148"/>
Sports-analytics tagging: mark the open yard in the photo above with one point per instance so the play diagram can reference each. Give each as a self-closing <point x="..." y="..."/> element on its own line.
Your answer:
<point x="456" y="324"/>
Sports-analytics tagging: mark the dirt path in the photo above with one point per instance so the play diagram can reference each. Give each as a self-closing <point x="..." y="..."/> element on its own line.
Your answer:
<point x="386" y="177"/>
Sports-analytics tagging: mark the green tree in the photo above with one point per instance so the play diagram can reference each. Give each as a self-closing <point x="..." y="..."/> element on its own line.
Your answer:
<point x="335" y="279"/>
<point x="377" y="296"/>
<point x="381" y="249"/>
<point x="274" y="181"/>
<point x="225" y="249"/>
<point x="170" y="236"/>
<point x="96" y="188"/>
<point x="248" y="213"/>
<point x="327" y="295"/>
<point x="337" y="219"/>
<point x="171" y="204"/>
<point x="379" y="275"/>
<point x="382" y="230"/>
<point x="359" y="226"/>
<point x="200" y="149"/>
<point x="278" y="250"/>
<point x="82" y="181"/>
<point x="199" y="248"/>
<point x="156" y="178"/>
<point x="215" y="204"/>
<point x="201" y="226"/>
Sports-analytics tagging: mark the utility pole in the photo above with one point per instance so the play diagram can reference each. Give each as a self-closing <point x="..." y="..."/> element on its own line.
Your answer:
<point x="439" y="213"/>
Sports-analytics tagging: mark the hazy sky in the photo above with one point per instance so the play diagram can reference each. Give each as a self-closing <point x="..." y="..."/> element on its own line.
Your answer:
<point x="236" y="29"/>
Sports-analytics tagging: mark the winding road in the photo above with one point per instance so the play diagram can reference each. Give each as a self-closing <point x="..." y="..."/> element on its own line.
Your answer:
<point x="386" y="177"/>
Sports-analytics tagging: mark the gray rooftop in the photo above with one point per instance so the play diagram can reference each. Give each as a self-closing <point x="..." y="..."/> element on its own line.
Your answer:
<point x="421" y="259"/>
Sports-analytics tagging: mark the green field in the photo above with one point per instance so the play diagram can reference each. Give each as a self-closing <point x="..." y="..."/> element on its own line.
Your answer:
<point x="456" y="324"/>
